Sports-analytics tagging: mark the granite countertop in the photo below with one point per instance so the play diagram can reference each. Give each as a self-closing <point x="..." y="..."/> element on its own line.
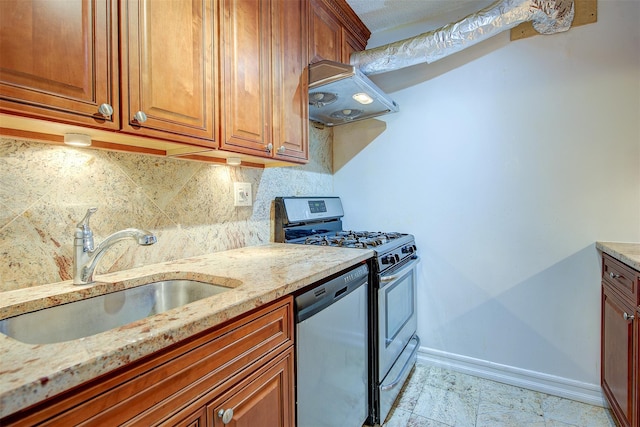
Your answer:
<point x="257" y="275"/>
<point x="626" y="253"/>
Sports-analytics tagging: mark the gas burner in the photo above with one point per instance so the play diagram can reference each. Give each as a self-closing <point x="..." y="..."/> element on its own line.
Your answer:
<point x="371" y="241"/>
<point x="318" y="240"/>
<point x="347" y="243"/>
<point x="365" y="239"/>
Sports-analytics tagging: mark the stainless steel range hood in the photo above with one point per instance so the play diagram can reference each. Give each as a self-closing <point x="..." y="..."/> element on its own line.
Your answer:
<point x="340" y="93"/>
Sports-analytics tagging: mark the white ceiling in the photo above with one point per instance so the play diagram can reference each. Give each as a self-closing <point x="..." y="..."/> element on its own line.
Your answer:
<point x="380" y="15"/>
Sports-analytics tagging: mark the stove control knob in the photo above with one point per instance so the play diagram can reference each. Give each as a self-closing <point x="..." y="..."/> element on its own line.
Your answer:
<point x="409" y="249"/>
<point x="389" y="259"/>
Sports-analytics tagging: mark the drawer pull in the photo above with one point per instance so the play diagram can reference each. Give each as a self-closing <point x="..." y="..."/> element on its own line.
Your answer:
<point x="628" y="316"/>
<point x="226" y="415"/>
<point x="614" y="275"/>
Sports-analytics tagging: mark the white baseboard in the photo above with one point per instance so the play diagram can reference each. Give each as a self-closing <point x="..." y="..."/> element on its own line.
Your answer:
<point x="532" y="380"/>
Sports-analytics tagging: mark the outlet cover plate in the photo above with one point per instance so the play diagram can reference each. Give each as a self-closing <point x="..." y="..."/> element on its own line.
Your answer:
<point x="242" y="194"/>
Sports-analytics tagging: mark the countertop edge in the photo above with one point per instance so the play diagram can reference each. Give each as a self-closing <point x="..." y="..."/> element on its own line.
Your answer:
<point x="625" y="252"/>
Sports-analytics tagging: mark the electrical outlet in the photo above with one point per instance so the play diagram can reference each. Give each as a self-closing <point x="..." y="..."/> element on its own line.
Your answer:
<point x="242" y="194"/>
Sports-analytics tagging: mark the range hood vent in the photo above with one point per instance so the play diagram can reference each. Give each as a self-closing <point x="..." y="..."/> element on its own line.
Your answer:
<point x="340" y="93"/>
<point x="547" y="17"/>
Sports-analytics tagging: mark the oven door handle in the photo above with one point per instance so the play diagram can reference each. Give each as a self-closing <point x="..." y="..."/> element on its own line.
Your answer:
<point x="406" y="366"/>
<point x="392" y="277"/>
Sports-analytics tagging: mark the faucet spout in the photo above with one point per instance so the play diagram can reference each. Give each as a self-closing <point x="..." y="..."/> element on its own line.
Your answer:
<point x="86" y="258"/>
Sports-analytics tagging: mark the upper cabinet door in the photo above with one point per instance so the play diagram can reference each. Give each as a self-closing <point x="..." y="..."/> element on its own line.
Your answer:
<point x="168" y="69"/>
<point x="246" y="76"/>
<point x="326" y="34"/>
<point x="59" y="60"/>
<point x="335" y="31"/>
<point x="290" y="99"/>
<point x="349" y="45"/>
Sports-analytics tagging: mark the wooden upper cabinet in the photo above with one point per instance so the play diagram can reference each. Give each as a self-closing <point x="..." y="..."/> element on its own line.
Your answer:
<point x="290" y="83"/>
<point x="245" y="75"/>
<point x="326" y="34"/>
<point x="58" y="60"/>
<point x="209" y="74"/>
<point x="168" y="69"/>
<point x="264" y="78"/>
<point x="349" y="45"/>
<point x="335" y="31"/>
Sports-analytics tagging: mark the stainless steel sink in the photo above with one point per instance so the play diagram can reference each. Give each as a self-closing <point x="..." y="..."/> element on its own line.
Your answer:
<point x="91" y="316"/>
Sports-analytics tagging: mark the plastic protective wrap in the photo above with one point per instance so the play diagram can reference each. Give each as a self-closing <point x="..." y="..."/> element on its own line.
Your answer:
<point x="547" y="17"/>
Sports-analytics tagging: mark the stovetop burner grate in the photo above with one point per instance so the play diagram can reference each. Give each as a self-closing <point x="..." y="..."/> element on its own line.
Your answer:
<point x="351" y="239"/>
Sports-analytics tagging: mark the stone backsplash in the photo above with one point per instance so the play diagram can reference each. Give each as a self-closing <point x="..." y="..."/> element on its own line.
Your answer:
<point x="45" y="191"/>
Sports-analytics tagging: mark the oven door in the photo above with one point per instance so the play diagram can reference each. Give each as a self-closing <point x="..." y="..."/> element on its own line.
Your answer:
<point x="397" y="320"/>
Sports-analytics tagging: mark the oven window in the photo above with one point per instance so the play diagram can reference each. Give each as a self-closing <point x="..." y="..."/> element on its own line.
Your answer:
<point x="399" y="306"/>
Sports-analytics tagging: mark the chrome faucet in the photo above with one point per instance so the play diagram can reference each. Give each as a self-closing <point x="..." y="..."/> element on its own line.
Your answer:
<point x="86" y="257"/>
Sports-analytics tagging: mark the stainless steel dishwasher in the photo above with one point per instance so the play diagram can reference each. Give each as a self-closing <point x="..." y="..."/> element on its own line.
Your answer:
<point x="332" y="352"/>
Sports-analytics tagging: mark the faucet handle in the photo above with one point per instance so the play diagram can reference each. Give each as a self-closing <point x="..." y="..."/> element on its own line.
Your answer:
<point x="83" y="231"/>
<point x="84" y="224"/>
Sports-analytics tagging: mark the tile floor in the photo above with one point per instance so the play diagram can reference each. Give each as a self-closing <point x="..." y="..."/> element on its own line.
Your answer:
<point x="436" y="397"/>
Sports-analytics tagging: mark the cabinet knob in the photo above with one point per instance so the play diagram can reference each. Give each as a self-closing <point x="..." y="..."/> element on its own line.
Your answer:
<point x="105" y="109"/>
<point x="226" y="415"/>
<point x="282" y="149"/>
<point x="614" y="275"/>
<point x="140" y="117"/>
<point x="268" y="147"/>
<point x="627" y="316"/>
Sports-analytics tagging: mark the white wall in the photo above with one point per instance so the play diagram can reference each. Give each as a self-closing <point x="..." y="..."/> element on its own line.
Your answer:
<point x="507" y="162"/>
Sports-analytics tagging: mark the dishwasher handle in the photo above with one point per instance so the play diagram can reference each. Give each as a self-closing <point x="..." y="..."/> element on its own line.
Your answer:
<point x="324" y="294"/>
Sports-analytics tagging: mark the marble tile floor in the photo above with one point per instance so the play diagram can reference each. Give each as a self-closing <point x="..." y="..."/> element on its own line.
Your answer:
<point x="436" y="397"/>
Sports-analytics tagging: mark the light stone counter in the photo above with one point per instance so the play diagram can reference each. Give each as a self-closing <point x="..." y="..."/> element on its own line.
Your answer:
<point x="257" y="275"/>
<point x="626" y="253"/>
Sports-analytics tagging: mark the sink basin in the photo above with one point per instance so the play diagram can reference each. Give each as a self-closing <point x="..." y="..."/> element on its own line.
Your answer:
<point x="91" y="316"/>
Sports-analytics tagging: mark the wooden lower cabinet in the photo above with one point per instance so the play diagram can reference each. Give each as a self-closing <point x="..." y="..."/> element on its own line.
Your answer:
<point x="245" y="365"/>
<point x="617" y="355"/>
<point x="264" y="399"/>
<point x="196" y="419"/>
<point x="637" y="376"/>
<point x="620" y="341"/>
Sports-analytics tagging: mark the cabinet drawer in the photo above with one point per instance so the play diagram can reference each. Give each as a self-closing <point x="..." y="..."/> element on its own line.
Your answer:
<point x="151" y="389"/>
<point x="621" y="277"/>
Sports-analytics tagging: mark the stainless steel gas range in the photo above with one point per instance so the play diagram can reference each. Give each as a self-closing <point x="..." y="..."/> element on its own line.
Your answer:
<point x="393" y="343"/>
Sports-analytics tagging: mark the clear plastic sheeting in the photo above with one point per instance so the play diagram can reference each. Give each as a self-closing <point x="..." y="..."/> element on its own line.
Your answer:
<point x="547" y="17"/>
